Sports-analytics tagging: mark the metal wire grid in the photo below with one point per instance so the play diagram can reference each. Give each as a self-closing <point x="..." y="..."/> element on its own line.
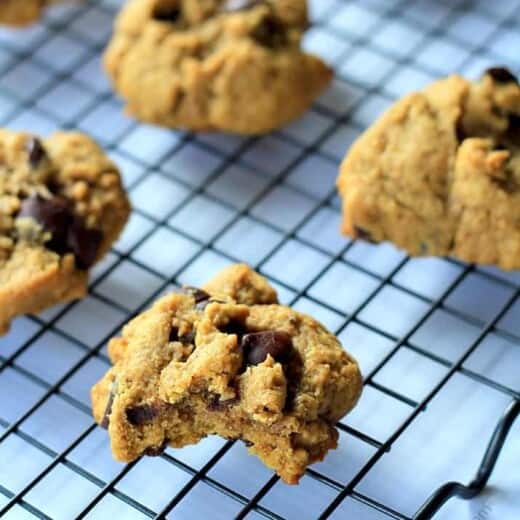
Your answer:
<point x="62" y="54"/>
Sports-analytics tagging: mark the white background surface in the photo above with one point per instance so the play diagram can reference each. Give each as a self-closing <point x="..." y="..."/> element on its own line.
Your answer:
<point x="201" y="202"/>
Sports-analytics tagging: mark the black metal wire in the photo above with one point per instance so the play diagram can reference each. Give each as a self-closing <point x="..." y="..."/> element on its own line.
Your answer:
<point x="201" y="475"/>
<point x="475" y="487"/>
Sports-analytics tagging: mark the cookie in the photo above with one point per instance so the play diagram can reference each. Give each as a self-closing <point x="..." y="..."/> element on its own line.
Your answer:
<point x="229" y="65"/>
<point x="439" y="173"/>
<point x="227" y="360"/>
<point x="61" y="207"/>
<point x="22" y="12"/>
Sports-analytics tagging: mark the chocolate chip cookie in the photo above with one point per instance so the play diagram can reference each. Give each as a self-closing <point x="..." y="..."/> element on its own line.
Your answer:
<point x="230" y="65"/>
<point x="61" y="207"/>
<point x="22" y="12"/>
<point x="439" y="172"/>
<point x="228" y="360"/>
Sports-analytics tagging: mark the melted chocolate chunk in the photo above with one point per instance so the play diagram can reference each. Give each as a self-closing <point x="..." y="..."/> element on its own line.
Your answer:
<point x="202" y="305"/>
<point x="139" y="415"/>
<point x="84" y="243"/>
<point x="174" y="334"/>
<point x="189" y="338"/>
<point x="258" y="345"/>
<point x="514" y="122"/>
<point x="234" y="327"/>
<point x="165" y="14"/>
<point x="460" y="132"/>
<point x="216" y="405"/>
<point x="54" y="215"/>
<point x="186" y="339"/>
<point x="35" y="151"/>
<point x="199" y="295"/>
<point x="508" y="184"/>
<point x="363" y="234"/>
<point x="270" y="32"/>
<point x="232" y="6"/>
<point x="108" y="409"/>
<point x="155" y="451"/>
<point x="68" y="232"/>
<point x="502" y="75"/>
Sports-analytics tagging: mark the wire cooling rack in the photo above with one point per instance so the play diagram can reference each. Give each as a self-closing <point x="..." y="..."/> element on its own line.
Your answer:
<point x="438" y="340"/>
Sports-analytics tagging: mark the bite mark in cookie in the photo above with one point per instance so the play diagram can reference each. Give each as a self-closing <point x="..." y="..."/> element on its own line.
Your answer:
<point x="261" y="373"/>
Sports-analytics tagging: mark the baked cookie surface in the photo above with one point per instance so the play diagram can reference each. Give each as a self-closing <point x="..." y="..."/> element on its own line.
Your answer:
<point x="439" y="172"/>
<point x="231" y="65"/>
<point x="61" y="208"/>
<point x="23" y="12"/>
<point x="227" y="360"/>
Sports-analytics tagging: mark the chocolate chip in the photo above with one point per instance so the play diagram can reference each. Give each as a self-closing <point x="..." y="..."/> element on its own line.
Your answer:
<point x="214" y="404"/>
<point x="84" y="243"/>
<point x="269" y="32"/>
<point x="247" y="443"/>
<point x="507" y="184"/>
<point x="108" y="409"/>
<point x="202" y="298"/>
<point x="232" y="6"/>
<point x="164" y="14"/>
<point x="202" y="305"/>
<point x="155" y="451"/>
<point x="363" y="234"/>
<point x="186" y="339"/>
<point x="460" y="132"/>
<point x="54" y="215"/>
<point x="514" y="122"/>
<point x="234" y="327"/>
<point x="174" y="334"/>
<point x="258" y="345"/>
<point x="139" y="415"/>
<point x="502" y="75"/>
<point x="36" y="151"/>
<point x="68" y="232"/>
<point x="198" y="294"/>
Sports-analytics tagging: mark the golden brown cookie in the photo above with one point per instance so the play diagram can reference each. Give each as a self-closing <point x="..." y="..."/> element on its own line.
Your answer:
<point x="61" y="207"/>
<point x="231" y="65"/>
<point x="227" y="360"/>
<point x="23" y="12"/>
<point x="439" y="172"/>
